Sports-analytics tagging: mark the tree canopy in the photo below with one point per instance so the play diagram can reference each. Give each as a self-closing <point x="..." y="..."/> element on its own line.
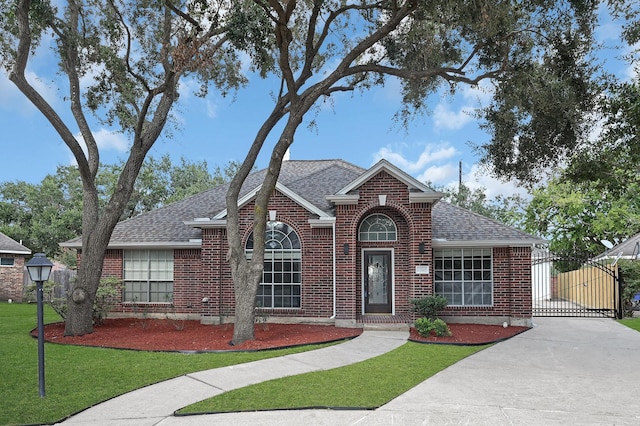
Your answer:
<point x="537" y="55"/>
<point x="45" y="214"/>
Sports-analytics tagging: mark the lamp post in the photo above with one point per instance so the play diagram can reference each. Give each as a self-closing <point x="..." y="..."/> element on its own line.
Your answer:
<point x="39" y="268"/>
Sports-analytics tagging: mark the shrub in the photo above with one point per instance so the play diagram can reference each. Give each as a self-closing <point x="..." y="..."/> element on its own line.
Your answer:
<point x="426" y="325"/>
<point x="429" y="306"/>
<point x="441" y="328"/>
<point x="631" y="277"/>
<point x="106" y="298"/>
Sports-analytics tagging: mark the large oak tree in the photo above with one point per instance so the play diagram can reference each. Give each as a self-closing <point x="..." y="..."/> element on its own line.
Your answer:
<point x="121" y="63"/>
<point x="535" y="53"/>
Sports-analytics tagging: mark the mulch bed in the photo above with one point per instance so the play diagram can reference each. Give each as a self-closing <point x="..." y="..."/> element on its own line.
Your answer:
<point x="168" y="335"/>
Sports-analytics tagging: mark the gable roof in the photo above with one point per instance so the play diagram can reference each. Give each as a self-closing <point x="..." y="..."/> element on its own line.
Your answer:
<point x="628" y="249"/>
<point x="418" y="192"/>
<point x="312" y="184"/>
<point x="11" y="246"/>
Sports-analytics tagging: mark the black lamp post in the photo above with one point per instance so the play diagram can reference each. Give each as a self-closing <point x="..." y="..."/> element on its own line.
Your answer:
<point x="39" y="268"/>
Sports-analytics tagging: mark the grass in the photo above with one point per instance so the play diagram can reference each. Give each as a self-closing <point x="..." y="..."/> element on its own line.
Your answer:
<point x="633" y="323"/>
<point x="77" y="377"/>
<point x="367" y="384"/>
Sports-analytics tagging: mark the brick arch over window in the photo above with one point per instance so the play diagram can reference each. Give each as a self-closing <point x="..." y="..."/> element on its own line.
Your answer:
<point x="377" y="227"/>
<point x="386" y="210"/>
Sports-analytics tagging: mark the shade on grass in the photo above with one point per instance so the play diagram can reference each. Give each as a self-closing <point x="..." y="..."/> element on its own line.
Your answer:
<point x="78" y="377"/>
<point x="367" y="384"/>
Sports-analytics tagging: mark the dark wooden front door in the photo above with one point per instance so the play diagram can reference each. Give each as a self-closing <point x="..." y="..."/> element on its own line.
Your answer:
<point x="377" y="282"/>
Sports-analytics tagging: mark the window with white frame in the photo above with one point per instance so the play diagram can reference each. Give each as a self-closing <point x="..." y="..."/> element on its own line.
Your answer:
<point x="464" y="276"/>
<point x="7" y="261"/>
<point x="281" y="285"/>
<point x="377" y="227"/>
<point x="148" y="276"/>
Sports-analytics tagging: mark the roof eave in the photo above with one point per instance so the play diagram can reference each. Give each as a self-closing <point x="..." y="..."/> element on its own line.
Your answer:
<point x="442" y="243"/>
<point x="9" y="251"/>
<point x="194" y="243"/>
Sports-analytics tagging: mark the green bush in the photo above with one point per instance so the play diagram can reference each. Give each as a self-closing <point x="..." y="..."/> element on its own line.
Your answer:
<point x="631" y="277"/>
<point x="106" y="298"/>
<point x="426" y="325"/>
<point x="429" y="306"/>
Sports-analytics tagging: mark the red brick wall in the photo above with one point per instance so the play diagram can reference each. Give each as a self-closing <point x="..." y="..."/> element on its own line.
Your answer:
<point x="203" y="284"/>
<point x="11" y="279"/>
<point x="511" y="286"/>
<point x="413" y="222"/>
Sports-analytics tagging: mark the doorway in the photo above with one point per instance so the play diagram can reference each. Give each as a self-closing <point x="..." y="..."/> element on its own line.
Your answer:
<point x="378" y="288"/>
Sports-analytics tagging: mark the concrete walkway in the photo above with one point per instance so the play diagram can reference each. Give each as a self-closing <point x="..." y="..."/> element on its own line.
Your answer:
<point x="565" y="371"/>
<point x="151" y="404"/>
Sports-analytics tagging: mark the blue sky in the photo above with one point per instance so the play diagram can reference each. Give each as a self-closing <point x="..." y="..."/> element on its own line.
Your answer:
<point x="355" y="127"/>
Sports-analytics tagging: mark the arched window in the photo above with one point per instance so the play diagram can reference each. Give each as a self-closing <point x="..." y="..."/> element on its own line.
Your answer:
<point x="377" y="227"/>
<point x="282" y="276"/>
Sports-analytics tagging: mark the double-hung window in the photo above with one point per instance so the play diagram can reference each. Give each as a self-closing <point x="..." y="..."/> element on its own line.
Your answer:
<point x="464" y="276"/>
<point x="148" y="276"/>
<point x="281" y="285"/>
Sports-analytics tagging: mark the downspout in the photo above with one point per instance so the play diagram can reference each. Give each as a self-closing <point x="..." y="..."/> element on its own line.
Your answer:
<point x="333" y="228"/>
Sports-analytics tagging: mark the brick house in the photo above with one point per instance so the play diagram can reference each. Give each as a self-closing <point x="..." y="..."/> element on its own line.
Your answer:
<point x="12" y="260"/>
<point x="345" y="246"/>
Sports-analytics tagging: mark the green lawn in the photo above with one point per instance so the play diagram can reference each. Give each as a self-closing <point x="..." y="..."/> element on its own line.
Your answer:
<point x="367" y="384"/>
<point x="631" y="323"/>
<point x="78" y="377"/>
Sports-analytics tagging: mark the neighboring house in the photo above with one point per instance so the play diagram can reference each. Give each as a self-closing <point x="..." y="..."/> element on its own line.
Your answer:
<point x="12" y="260"/>
<point x="629" y="249"/>
<point x="345" y="246"/>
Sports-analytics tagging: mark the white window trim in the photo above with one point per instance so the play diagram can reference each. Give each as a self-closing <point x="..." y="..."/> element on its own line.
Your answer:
<point x="493" y="286"/>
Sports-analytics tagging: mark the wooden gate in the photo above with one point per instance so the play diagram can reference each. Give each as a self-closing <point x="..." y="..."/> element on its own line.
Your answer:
<point x="569" y="287"/>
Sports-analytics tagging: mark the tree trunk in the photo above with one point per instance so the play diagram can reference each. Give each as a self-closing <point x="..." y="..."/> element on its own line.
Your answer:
<point x="80" y="299"/>
<point x="245" y="287"/>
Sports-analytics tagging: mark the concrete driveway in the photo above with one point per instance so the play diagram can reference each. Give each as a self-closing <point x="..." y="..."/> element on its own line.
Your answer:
<point x="565" y="371"/>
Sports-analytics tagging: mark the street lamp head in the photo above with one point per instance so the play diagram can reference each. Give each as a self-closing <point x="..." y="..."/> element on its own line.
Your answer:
<point x="39" y="267"/>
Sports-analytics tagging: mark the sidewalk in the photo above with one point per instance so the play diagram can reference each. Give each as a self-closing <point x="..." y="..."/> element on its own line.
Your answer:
<point x="564" y="371"/>
<point x="153" y="404"/>
<point x="577" y="371"/>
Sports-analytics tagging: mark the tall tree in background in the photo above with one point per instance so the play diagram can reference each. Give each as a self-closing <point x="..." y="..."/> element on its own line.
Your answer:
<point x="509" y="210"/>
<point x="122" y="62"/>
<point x="42" y="215"/>
<point x="536" y="53"/>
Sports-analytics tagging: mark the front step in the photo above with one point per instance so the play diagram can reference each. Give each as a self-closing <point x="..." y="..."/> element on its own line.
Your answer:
<point x="385" y="322"/>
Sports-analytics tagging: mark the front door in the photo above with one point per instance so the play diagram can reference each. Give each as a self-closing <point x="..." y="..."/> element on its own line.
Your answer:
<point x="377" y="282"/>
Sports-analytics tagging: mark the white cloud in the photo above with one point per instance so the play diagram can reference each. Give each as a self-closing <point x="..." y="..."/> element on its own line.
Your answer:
<point x="430" y="154"/>
<point x="439" y="174"/>
<point x="107" y="141"/>
<point x="444" y="118"/>
<point x="493" y="187"/>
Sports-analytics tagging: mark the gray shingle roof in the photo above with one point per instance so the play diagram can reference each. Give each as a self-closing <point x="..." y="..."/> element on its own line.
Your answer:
<point x="9" y="245"/>
<point x="452" y="223"/>
<point x="311" y="180"/>
<point x="628" y="249"/>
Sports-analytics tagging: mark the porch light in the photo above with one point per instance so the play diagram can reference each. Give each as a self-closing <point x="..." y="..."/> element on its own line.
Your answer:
<point x="39" y="268"/>
<point x="345" y="248"/>
<point x="272" y="215"/>
<point x="421" y="248"/>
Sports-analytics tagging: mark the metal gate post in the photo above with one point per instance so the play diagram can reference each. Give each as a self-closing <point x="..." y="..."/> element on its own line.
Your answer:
<point x="620" y="283"/>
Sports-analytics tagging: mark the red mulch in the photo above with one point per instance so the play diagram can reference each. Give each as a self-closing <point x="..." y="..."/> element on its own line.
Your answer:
<point x="471" y="334"/>
<point x="166" y="335"/>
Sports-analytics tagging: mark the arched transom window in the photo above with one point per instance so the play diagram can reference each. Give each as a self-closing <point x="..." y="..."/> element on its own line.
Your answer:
<point x="377" y="227"/>
<point x="282" y="276"/>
